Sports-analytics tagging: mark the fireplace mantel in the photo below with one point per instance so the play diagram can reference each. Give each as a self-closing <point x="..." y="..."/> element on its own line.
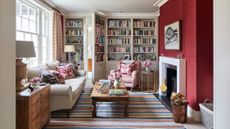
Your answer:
<point x="181" y="72"/>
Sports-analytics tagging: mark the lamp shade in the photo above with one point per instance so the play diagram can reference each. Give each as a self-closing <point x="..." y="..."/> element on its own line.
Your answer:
<point x="69" y="48"/>
<point x="25" y="49"/>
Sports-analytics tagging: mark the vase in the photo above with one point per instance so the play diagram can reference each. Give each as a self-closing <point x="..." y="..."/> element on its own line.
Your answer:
<point x="147" y="69"/>
<point x="116" y="84"/>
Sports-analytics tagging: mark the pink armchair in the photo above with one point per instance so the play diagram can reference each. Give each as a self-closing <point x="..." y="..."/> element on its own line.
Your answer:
<point x="130" y="80"/>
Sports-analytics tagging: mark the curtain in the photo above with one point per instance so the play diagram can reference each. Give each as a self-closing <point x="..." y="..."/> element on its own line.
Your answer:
<point x="58" y="43"/>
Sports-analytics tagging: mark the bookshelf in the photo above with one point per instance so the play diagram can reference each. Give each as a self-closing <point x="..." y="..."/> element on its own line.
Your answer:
<point x="119" y="39"/>
<point x="74" y="35"/>
<point x="144" y="39"/>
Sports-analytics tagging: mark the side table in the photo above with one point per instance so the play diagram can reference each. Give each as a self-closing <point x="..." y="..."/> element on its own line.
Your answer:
<point x="151" y="80"/>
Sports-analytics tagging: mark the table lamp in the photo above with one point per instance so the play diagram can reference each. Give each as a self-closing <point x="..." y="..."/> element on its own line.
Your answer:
<point x="24" y="49"/>
<point x="69" y="49"/>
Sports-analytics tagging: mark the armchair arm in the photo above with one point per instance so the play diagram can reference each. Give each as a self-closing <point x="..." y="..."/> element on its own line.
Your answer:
<point x="113" y="71"/>
<point x="61" y="90"/>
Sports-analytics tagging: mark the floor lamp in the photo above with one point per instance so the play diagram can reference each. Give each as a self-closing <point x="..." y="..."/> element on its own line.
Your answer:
<point x="69" y="49"/>
<point x="24" y="49"/>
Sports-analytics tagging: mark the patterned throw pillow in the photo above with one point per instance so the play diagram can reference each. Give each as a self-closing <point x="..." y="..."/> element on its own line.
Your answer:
<point x="66" y="71"/>
<point x="127" y="68"/>
<point x="61" y="80"/>
<point x="48" y="77"/>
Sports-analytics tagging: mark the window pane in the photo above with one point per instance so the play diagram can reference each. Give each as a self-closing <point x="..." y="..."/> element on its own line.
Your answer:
<point x="35" y="39"/>
<point x="19" y="36"/>
<point x="18" y="9"/>
<point x="44" y="52"/>
<point x="44" y="43"/>
<point x="25" y="24"/>
<point x="19" y="23"/>
<point x="32" y="27"/>
<point x="28" y="37"/>
<point x="32" y="14"/>
<point x="25" y="12"/>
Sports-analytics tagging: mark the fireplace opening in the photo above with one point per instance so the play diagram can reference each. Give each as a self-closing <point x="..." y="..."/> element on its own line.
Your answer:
<point x="171" y="81"/>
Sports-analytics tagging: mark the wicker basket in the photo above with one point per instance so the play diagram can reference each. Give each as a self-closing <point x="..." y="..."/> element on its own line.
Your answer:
<point x="206" y="109"/>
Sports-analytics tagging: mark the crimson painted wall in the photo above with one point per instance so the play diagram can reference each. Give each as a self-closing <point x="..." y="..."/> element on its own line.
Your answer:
<point x="196" y="44"/>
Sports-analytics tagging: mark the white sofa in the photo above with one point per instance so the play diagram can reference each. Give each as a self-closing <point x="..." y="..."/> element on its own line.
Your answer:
<point x="63" y="96"/>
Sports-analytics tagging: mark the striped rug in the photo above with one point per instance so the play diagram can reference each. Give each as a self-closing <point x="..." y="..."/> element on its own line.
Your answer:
<point x="145" y="111"/>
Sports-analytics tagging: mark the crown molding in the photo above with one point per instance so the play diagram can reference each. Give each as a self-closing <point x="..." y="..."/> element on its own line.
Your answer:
<point x="159" y="3"/>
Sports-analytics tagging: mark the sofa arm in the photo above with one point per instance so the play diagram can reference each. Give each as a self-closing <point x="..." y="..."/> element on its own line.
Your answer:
<point x="81" y="73"/>
<point x="61" y="90"/>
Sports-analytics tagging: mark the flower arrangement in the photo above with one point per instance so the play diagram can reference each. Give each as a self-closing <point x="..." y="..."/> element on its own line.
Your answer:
<point x="117" y="75"/>
<point x="34" y="81"/>
<point x="146" y="64"/>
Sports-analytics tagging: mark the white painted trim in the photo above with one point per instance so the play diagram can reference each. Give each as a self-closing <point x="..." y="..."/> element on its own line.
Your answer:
<point x="131" y="15"/>
<point x="194" y="115"/>
<point x="159" y="3"/>
<point x="181" y="72"/>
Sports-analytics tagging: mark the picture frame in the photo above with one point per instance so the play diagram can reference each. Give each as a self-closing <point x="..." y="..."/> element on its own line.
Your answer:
<point x="172" y="36"/>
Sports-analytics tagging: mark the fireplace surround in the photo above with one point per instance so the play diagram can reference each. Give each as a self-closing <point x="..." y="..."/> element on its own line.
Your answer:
<point x="179" y="65"/>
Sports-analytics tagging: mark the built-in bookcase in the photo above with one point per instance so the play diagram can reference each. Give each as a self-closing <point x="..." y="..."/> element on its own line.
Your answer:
<point x="74" y="35"/>
<point x="131" y="39"/>
<point x="144" y="39"/>
<point x="119" y="39"/>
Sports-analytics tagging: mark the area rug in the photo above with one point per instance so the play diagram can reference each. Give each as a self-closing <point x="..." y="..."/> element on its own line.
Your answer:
<point x="145" y="112"/>
<point x="141" y="105"/>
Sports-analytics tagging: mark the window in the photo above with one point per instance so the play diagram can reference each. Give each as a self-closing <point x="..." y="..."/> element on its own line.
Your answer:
<point x="33" y="24"/>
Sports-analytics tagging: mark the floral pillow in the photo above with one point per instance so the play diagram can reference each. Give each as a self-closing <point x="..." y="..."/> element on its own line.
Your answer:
<point x="127" y="68"/>
<point x="66" y="71"/>
<point x="48" y="77"/>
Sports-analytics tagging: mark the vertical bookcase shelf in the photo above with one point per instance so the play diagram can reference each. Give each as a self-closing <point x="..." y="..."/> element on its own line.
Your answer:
<point x="144" y="39"/>
<point x="100" y="38"/>
<point x="119" y="39"/>
<point x="74" y="35"/>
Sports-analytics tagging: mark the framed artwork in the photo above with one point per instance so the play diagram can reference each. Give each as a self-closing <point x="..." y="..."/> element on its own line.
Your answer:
<point x="172" y="36"/>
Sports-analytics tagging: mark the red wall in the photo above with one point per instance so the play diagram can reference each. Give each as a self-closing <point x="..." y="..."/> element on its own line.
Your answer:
<point x="195" y="36"/>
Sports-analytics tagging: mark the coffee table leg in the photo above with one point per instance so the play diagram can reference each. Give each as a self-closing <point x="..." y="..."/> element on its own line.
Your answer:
<point x="126" y="109"/>
<point x="94" y="112"/>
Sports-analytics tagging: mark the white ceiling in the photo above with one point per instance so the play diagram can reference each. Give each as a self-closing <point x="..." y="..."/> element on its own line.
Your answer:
<point x="105" y="6"/>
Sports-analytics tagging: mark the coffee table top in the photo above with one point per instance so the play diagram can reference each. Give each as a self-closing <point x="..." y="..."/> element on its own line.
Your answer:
<point x="97" y="94"/>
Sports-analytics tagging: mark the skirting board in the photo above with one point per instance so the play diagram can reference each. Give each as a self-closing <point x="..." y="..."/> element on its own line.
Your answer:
<point x="194" y="115"/>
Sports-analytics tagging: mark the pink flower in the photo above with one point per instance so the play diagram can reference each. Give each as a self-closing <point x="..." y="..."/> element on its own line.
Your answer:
<point x="147" y="63"/>
<point x="35" y="80"/>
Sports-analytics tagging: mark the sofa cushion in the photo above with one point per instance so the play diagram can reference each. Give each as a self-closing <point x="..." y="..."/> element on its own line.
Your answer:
<point x="34" y="72"/>
<point x="52" y="65"/>
<point x="48" y="77"/>
<point x="127" y="68"/>
<point x="66" y="71"/>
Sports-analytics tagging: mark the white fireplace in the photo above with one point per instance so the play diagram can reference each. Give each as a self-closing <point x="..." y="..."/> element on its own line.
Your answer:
<point x="180" y="65"/>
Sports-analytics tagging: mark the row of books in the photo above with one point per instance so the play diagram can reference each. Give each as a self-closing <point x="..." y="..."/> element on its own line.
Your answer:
<point x="100" y="31"/>
<point x="99" y="48"/>
<point x="119" y="49"/>
<point x="144" y="32"/>
<point x="99" y="57"/>
<point x="119" y="23"/>
<point x="117" y="57"/>
<point x="119" y="40"/>
<point x="73" y="40"/>
<point x="143" y="57"/>
<point x="73" y="23"/>
<point x="100" y="20"/>
<point x="144" y="23"/>
<point x="143" y="49"/>
<point x="74" y="32"/>
<point x="119" y="32"/>
<point x="100" y="39"/>
<point x="144" y="40"/>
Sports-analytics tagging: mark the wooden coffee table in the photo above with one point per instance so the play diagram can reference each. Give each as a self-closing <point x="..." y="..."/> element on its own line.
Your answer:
<point x="98" y="97"/>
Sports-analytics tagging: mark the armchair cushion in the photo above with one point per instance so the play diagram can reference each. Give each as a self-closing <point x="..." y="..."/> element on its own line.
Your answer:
<point x="127" y="68"/>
